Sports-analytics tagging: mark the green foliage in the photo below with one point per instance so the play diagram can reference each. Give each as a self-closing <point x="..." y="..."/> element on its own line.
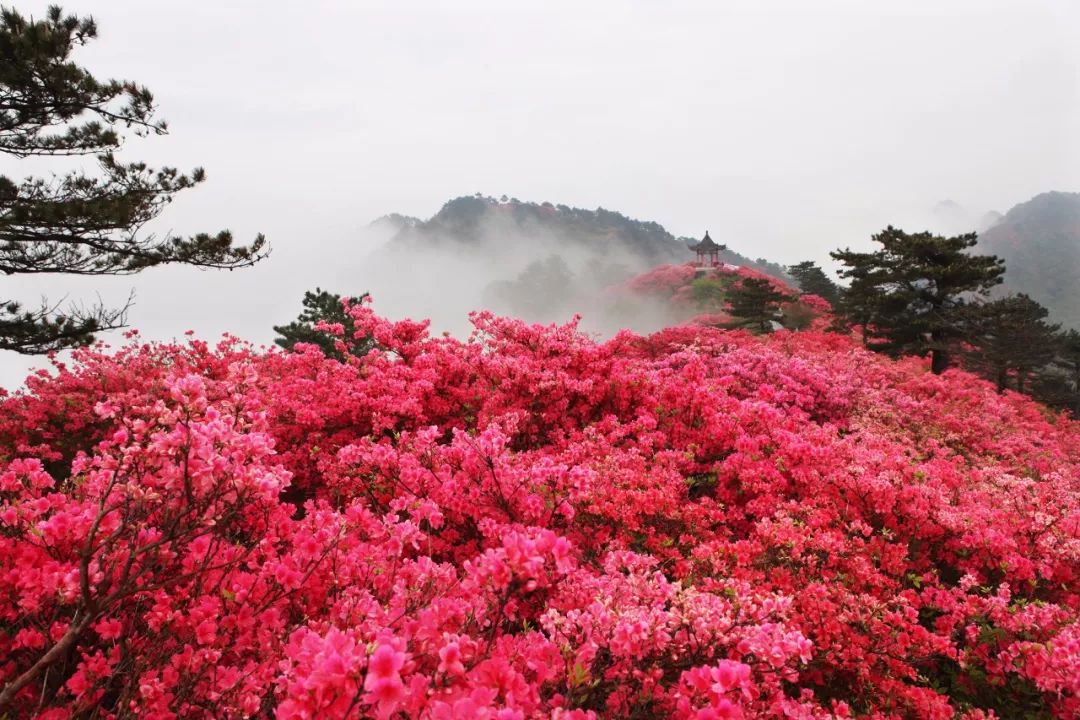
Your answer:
<point x="321" y="306"/>
<point x="45" y="329"/>
<point x="700" y="485"/>
<point x="970" y="688"/>
<point x="754" y="303"/>
<point x="710" y="294"/>
<point x="797" y="316"/>
<point x="75" y="223"/>
<point x="812" y="279"/>
<point x="1011" y="340"/>
<point x="1058" y="383"/>
<point x="909" y="296"/>
<point x="44" y="91"/>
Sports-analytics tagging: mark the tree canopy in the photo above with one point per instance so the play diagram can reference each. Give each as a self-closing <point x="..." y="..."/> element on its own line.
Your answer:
<point x="325" y="322"/>
<point x="77" y="223"/>
<point x="754" y="303"/>
<point x="1011" y="340"/>
<point x="812" y="279"/>
<point x="908" y="296"/>
<point x="1058" y="383"/>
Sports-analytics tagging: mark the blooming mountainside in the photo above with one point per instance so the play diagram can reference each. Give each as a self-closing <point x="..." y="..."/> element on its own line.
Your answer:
<point x="531" y="524"/>
<point x="697" y="295"/>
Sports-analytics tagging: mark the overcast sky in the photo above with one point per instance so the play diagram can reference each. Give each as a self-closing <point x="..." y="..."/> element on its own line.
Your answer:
<point x="785" y="128"/>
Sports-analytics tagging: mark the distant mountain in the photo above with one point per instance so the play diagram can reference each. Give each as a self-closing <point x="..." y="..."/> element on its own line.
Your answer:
<point x="951" y="218"/>
<point x="1040" y="243"/>
<point x="480" y="221"/>
<point x="395" y="222"/>
<point x="541" y="262"/>
<point x="988" y="220"/>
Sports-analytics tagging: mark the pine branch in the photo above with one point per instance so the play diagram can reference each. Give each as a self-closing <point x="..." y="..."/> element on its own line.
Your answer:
<point x="47" y="329"/>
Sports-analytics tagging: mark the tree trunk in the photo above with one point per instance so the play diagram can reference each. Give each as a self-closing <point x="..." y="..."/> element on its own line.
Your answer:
<point x="939" y="361"/>
<point x="67" y="642"/>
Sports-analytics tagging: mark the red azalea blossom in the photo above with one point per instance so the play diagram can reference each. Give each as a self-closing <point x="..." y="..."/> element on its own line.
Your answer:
<point x="535" y="524"/>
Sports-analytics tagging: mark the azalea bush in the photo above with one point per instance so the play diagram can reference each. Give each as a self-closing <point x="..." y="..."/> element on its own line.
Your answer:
<point x="534" y="524"/>
<point x="699" y="296"/>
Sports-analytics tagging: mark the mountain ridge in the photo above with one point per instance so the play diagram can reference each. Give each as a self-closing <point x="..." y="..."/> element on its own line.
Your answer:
<point x="1039" y="239"/>
<point x="467" y="219"/>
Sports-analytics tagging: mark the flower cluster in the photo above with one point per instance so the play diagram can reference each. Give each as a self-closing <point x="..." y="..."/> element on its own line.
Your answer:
<point x="533" y="524"/>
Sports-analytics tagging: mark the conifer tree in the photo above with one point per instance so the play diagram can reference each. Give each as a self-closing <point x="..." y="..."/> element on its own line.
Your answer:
<point x="812" y="279"/>
<point x="909" y="296"/>
<point x="321" y="306"/>
<point x="754" y="304"/>
<point x="1068" y="356"/>
<point x="1011" y="341"/>
<point x="78" y="223"/>
<point x="1058" y="384"/>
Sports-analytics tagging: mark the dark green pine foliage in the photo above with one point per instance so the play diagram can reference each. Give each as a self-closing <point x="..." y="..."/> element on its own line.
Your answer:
<point x="1058" y="383"/>
<point x="754" y="304"/>
<point x="812" y="279"/>
<point x="909" y="297"/>
<point x="1011" y="341"/>
<point x="78" y="223"/>
<point x="323" y="306"/>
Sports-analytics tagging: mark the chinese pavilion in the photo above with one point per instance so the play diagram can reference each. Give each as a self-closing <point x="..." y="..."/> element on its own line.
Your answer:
<point x="707" y="248"/>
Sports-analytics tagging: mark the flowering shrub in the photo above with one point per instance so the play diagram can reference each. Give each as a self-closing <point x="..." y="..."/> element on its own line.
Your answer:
<point x="695" y="524"/>
<point x="696" y="296"/>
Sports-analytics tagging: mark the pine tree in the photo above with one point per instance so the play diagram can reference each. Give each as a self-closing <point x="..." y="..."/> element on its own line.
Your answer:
<point x="322" y="306"/>
<point x="78" y="223"/>
<point x="909" y="296"/>
<point x="1011" y="340"/>
<point x="1068" y="357"/>
<point x="812" y="279"/>
<point x="754" y="304"/>
<point x="1058" y="384"/>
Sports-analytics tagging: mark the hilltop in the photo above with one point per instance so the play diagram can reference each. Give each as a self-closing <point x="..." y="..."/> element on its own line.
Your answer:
<point x="472" y="220"/>
<point x="1040" y="243"/>
<point x="538" y="261"/>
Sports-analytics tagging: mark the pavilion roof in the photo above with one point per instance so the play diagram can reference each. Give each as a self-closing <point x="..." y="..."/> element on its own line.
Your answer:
<point x="707" y="244"/>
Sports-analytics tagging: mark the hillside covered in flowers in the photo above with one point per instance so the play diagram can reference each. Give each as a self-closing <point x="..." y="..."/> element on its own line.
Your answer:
<point x="698" y="524"/>
<point x="698" y="295"/>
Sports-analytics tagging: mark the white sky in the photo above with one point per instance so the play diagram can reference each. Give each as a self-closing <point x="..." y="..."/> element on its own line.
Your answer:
<point x="785" y="128"/>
